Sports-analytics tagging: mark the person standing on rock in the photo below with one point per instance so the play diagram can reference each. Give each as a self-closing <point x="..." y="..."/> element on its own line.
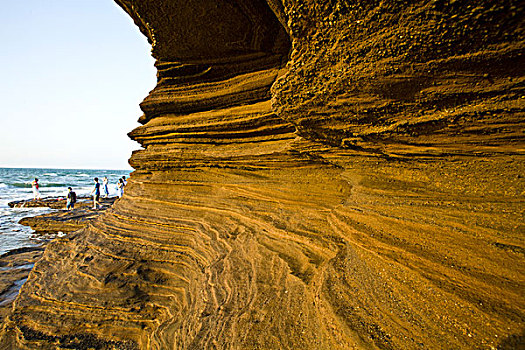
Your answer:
<point x="96" y="194"/>
<point x="120" y="188"/>
<point x="71" y="199"/>
<point x="124" y="181"/>
<point x="105" y="187"/>
<point x="36" y="189"/>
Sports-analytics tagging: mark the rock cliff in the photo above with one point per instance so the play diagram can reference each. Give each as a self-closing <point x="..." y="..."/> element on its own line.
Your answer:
<point x="315" y="174"/>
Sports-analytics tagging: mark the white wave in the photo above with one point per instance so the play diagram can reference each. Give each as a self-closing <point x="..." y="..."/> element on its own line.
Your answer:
<point x="50" y="174"/>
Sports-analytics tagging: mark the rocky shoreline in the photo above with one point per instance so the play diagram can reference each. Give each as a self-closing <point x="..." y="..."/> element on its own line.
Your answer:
<point x="16" y="264"/>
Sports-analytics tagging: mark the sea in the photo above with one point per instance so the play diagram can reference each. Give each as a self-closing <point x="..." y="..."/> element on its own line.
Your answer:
<point x="15" y="184"/>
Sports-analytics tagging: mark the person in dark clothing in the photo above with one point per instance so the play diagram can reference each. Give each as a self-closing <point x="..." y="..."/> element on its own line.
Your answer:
<point x="71" y="199"/>
<point x="96" y="194"/>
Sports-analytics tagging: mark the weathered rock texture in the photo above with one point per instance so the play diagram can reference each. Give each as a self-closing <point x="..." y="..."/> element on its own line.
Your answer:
<point x="15" y="266"/>
<point x="50" y="202"/>
<point x="66" y="221"/>
<point x="315" y="175"/>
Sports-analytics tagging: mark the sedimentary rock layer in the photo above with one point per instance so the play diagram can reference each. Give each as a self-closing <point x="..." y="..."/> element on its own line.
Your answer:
<point x="316" y="175"/>
<point x="65" y="221"/>
<point x="15" y="266"/>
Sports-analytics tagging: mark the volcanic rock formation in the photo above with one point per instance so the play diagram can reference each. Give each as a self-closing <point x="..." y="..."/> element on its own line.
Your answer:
<point x="316" y="174"/>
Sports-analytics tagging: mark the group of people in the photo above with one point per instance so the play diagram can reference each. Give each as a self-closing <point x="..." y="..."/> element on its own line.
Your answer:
<point x="95" y="192"/>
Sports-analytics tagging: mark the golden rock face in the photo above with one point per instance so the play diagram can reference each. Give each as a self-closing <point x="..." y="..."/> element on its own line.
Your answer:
<point x="316" y="175"/>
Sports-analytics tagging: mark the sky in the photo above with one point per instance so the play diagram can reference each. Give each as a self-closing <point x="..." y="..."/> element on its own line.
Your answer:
<point x="72" y="75"/>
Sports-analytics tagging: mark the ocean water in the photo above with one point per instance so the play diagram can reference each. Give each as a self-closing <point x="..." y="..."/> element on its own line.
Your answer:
<point x="15" y="184"/>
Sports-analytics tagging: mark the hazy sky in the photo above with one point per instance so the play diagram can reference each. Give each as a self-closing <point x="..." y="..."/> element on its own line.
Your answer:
<point x="72" y="74"/>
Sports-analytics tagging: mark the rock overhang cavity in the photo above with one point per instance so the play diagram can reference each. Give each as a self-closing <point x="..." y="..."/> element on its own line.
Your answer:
<point x="208" y="31"/>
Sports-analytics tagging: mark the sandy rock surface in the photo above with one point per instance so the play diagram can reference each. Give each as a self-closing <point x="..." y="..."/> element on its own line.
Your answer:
<point x="16" y="264"/>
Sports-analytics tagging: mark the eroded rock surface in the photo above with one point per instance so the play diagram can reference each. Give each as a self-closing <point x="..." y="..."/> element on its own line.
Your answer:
<point x="15" y="267"/>
<point x="16" y="264"/>
<point x="315" y="175"/>
<point x="66" y="221"/>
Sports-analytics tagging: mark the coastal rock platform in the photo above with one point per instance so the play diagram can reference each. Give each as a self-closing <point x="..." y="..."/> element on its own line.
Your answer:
<point x="15" y="265"/>
<point x="52" y="202"/>
<point x="66" y="221"/>
<point x="315" y="174"/>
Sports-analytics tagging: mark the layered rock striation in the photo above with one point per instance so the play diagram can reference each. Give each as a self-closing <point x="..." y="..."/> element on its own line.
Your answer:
<point x="314" y="174"/>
